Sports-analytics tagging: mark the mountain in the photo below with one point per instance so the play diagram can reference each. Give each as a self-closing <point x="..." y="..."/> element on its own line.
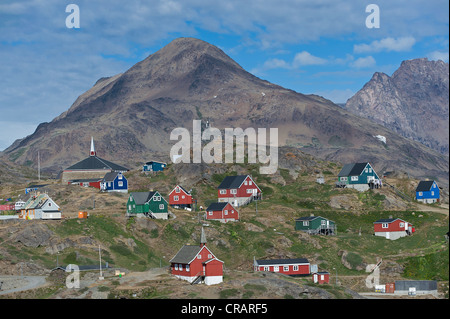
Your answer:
<point x="131" y="116"/>
<point x="413" y="102"/>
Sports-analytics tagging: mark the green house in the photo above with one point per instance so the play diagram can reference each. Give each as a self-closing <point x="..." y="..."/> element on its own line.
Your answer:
<point x="316" y="225"/>
<point x="150" y="204"/>
<point x="360" y="176"/>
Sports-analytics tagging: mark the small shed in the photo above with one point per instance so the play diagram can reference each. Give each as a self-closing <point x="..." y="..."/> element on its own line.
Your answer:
<point x="222" y="211"/>
<point x="321" y="277"/>
<point x="415" y="287"/>
<point x="154" y="166"/>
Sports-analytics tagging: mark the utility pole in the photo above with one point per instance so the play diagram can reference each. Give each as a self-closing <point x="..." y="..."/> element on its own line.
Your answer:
<point x="100" y="257"/>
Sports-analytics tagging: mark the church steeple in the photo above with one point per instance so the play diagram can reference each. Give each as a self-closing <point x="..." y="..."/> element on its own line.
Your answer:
<point x="93" y="152"/>
<point x="202" y="238"/>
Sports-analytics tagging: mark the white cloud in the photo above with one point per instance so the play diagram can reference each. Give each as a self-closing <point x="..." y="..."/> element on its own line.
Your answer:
<point x="366" y="62"/>
<point x="276" y="64"/>
<point x="386" y="44"/>
<point x="438" y="55"/>
<point x="305" y="58"/>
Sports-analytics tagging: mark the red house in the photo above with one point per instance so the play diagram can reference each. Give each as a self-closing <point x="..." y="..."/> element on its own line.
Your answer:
<point x="197" y="264"/>
<point x="321" y="277"/>
<point x="291" y="267"/>
<point x="392" y="228"/>
<point x="222" y="211"/>
<point x="238" y="190"/>
<point x="180" y="197"/>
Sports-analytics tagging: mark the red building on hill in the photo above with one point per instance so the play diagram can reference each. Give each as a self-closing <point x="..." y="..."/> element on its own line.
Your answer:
<point x="197" y="264"/>
<point x="291" y="267"/>
<point x="222" y="211"/>
<point x="238" y="190"/>
<point x="180" y="197"/>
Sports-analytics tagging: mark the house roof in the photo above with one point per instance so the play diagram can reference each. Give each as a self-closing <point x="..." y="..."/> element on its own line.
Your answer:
<point x="282" y="261"/>
<point x="186" y="254"/>
<point x="424" y="186"/>
<point x="217" y="206"/>
<point x="353" y="169"/>
<point x="182" y="188"/>
<point x="387" y="220"/>
<point x="311" y="218"/>
<point x="232" y="181"/>
<point x="140" y="198"/>
<point x="109" y="177"/>
<point x="148" y="163"/>
<point x="96" y="163"/>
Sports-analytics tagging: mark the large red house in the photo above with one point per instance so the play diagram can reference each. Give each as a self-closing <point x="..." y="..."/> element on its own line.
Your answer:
<point x="197" y="264"/>
<point x="180" y="197"/>
<point x="392" y="228"/>
<point x="291" y="267"/>
<point x="222" y="211"/>
<point x="238" y="190"/>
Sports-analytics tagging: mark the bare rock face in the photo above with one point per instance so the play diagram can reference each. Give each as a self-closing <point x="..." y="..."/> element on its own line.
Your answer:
<point x="34" y="235"/>
<point x="413" y="102"/>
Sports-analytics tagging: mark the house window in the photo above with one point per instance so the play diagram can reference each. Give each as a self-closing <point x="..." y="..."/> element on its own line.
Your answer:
<point x="266" y="268"/>
<point x="295" y="268"/>
<point x="177" y="190"/>
<point x="129" y="207"/>
<point x="402" y="224"/>
<point x="157" y="198"/>
<point x="120" y="176"/>
<point x="120" y="184"/>
<point x="209" y="256"/>
<point x="420" y="193"/>
<point x="183" y="197"/>
<point x="175" y="198"/>
<point x="187" y="267"/>
<point x="249" y="191"/>
<point x="199" y="256"/>
<point x="434" y="185"/>
<point x="233" y="191"/>
<point x="323" y="222"/>
<point x="354" y="178"/>
<point x="210" y="213"/>
<point x="384" y="225"/>
<point x="366" y="170"/>
<point x="276" y="268"/>
<point x="344" y="179"/>
<point x="161" y="206"/>
<point x="245" y="183"/>
<point x="223" y="191"/>
<point x="226" y="212"/>
<point x="370" y="170"/>
<point x="305" y="223"/>
<point x="109" y="184"/>
<point x="181" y="267"/>
<point x="250" y="183"/>
<point x="286" y="268"/>
<point x="176" y="266"/>
<point x="432" y="193"/>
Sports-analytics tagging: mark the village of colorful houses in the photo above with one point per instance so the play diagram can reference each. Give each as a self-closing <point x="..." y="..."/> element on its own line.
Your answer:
<point x="197" y="263"/>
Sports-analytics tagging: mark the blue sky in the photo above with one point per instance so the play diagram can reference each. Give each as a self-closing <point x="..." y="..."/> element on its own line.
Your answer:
<point x="322" y="47"/>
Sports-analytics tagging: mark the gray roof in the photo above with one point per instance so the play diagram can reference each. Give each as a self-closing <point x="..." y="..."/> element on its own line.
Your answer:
<point x="96" y="163"/>
<point x="311" y="218"/>
<point x="232" y="181"/>
<point x="282" y="261"/>
<point x="424" y="186"/>
<point x="386" y="220"/>
<point x="140" y="198"/>
<point x="109" y="177"/>
<point x="186" y="254"/>
<point x="354" y="169"/>
<point x="217" y="206"/>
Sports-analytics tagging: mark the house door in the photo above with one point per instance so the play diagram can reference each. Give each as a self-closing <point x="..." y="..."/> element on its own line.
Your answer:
<point x="388" y="235"/>
<point x="315" y="278"/>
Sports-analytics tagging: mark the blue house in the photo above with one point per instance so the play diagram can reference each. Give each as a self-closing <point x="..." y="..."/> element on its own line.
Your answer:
<point x="154" y="166"/>
<point x="427" y="192"/>
<point x="114" y="182"/>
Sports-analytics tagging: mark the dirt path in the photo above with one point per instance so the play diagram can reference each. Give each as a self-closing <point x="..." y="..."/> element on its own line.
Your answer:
<point x="18" y="283"/>
<point x="443" y="209"/>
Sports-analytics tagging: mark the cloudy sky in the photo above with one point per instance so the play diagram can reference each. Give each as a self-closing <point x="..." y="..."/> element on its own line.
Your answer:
<point x="323" y="47"/>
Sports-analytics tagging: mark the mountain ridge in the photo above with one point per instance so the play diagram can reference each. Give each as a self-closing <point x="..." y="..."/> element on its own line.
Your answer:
<point x="132" y="114"/>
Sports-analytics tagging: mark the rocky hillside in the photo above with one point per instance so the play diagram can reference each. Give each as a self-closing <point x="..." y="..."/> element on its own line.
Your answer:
<point x="131" y="115"/>
<point x="413" y="102"/>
